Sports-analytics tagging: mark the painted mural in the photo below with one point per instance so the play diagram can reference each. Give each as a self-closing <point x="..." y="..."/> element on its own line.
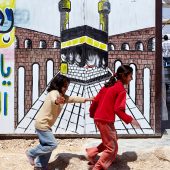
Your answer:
<point x="85" y="40"/>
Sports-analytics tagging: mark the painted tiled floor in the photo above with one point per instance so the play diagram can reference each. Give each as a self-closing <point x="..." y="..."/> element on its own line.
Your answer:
<point x="75" y="119"/>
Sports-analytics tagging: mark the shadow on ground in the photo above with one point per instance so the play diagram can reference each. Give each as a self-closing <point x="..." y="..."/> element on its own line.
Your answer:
<point x="62" y="161"/>
<point x="121" y="162"/>
<point x="75" y="161"/>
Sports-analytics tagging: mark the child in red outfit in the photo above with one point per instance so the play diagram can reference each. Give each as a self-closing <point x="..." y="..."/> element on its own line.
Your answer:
<point x="110" y="101"/>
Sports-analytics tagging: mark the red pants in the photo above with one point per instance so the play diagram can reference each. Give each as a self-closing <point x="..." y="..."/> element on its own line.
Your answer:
<point x="109" y="146"/>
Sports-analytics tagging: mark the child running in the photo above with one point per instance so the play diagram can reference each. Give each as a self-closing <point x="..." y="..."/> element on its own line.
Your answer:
<point x="108" y="103"/>
<point x="45" y="119"/>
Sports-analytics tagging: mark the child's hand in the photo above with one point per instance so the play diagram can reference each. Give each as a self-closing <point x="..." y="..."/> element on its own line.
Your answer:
<point x="135" y="123"/>
<point x="60" y="100"/>
<point x="89" y="99"/>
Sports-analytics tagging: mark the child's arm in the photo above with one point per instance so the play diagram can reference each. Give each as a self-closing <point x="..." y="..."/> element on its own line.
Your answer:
<point x="135" y="123"/>
<point x="76" y="99"/>
<point x="60" y="100"/>
<point x="119" y="108"/>
<point x="89" y="99"/>
<point x="56" y="98"/>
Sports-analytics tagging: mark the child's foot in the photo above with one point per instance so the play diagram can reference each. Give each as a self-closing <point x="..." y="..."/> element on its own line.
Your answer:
<point x="30" y="159"/>
<point x="91" y="159"/>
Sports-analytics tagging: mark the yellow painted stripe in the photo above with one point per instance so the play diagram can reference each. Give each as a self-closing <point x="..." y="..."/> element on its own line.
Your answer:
<point x="82" y="40"/>
<point x="76" y="41"/>
<point x="96" y="44"/>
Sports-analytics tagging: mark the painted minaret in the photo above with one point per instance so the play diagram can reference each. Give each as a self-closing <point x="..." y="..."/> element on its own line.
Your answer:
<point x="64" y="8"/>
<point x="104" y="10"/>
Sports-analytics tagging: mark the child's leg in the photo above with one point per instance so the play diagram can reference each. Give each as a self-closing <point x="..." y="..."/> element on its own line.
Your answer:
<point x="109" y="139"/>
<point x="101" y="148"/>
<point x="91" y="154"/>
<point x="42" y="161"/>
<point x="47" y="144"/>
<point x="93" y="151"/>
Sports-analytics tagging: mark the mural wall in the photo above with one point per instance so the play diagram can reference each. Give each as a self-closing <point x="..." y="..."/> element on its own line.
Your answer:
<point x="87" y="41"/>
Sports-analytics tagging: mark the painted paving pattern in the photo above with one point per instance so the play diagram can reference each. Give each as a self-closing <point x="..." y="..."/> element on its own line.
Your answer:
<point x="74" y="118"/>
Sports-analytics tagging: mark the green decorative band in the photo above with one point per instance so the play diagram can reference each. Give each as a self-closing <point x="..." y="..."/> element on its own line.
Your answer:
<point x="84" y="40"/>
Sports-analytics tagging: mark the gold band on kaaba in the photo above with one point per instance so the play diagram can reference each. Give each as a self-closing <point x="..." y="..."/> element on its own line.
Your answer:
<point x="84" y="40"/>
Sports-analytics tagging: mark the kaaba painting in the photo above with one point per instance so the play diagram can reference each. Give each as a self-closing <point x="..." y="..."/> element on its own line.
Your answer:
<point x="84" y="46"/>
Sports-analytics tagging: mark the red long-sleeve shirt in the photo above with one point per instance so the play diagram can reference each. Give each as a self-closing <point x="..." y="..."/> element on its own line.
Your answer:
<point x="111" y="102"/>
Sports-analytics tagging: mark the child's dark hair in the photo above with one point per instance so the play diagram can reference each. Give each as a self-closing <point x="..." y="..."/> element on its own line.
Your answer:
<point x="58" y="82"/>
<point x="122" y="70"/>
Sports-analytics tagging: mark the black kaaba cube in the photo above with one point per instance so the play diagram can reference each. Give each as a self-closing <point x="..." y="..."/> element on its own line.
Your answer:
<point x="84" y="46"/>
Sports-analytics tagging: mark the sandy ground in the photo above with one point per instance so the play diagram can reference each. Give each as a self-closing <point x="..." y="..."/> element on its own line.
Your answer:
<point x="70" y="155"/>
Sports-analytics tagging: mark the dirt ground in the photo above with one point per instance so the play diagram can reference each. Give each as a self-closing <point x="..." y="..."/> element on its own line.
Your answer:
<point x="70" y="155"/>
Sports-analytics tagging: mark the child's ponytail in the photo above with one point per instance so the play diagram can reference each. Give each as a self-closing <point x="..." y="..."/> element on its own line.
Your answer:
<point x="111" y="81"/>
